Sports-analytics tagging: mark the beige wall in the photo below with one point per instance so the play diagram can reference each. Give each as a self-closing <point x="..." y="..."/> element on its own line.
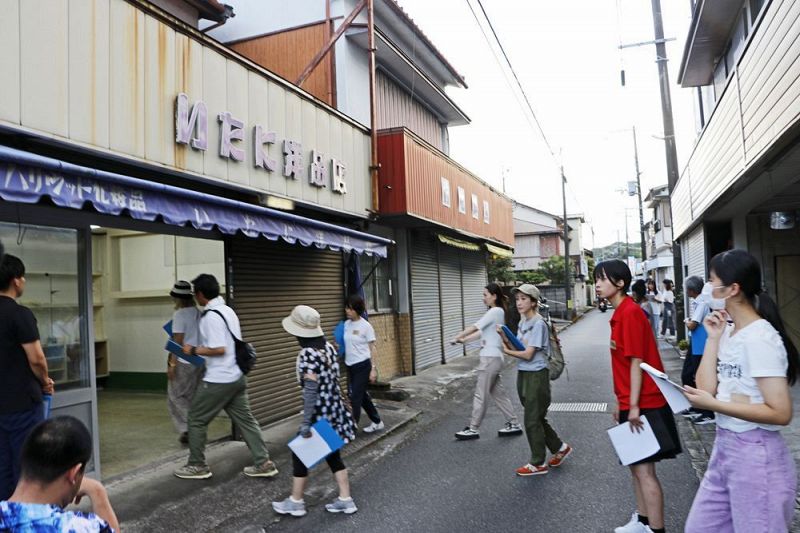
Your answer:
<point x="105" y="74"/>
<point x="394" y="344"/>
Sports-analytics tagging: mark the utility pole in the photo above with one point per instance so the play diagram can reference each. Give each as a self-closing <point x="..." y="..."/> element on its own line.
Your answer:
<point x="567" y="270"/>
<point x="639" y="192"/>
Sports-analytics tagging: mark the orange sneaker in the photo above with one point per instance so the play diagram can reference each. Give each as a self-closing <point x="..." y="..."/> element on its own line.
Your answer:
<point x="559" y="457"/>
<point x="531" y="470"/>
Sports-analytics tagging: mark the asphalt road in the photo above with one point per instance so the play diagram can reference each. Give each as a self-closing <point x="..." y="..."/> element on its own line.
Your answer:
<point x="434" y="483"/>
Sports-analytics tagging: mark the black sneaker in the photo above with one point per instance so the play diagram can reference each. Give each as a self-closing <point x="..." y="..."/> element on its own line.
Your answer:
<point x="468" y="434"/>
<point x="510" y="429"/>
<point x="703" y="420"/>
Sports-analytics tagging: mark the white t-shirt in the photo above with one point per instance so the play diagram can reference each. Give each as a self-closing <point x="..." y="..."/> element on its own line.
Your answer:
<point x="668" y="297"/>
<point x="357" y="336"/>
<point x="491" y="343"/>
<point x="214" y="334"/>
<point x="755" y="351"/>
<point x="186" y="320"/>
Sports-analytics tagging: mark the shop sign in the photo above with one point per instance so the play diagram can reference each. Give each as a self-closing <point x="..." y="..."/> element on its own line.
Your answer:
<point x="191" y="128"/>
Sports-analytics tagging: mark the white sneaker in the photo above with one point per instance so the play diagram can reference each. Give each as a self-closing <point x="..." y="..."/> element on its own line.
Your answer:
<point x="372" y="428"/>
<point x="633" y="526"/>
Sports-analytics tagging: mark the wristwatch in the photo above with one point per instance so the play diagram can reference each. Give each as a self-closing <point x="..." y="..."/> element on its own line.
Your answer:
<point x="194" y="350"/>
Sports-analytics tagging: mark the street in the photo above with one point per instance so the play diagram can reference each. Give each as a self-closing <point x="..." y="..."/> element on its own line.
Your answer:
<point x="435" y="483"/>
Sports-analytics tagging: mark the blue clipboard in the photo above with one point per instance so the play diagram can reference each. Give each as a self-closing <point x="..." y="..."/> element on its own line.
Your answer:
<point x="168" y="328"/>
<point x="513" y="340"/>
<point x="176" y="349"/>
<point x="323" y="441"/>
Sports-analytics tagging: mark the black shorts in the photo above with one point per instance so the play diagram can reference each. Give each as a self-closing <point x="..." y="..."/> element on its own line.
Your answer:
<point x="663" y="424"/>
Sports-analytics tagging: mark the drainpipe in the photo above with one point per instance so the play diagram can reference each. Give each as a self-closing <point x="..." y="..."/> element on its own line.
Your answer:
<point x="373" y="113"/>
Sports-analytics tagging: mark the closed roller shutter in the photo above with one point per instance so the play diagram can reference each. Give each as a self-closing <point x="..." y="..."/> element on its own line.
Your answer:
<point x="426" y="320"/>
<point x="696" y="253"/>
<point x="474" y="278"/>
<point x="452" y="303"/>
<point x="266" y="280"/>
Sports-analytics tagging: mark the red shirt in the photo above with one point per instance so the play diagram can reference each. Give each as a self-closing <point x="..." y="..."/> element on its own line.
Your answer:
<point x="632" y="336"/>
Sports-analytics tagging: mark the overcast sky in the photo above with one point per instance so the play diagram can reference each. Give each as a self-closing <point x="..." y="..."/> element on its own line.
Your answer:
<point x="566" y="56"/>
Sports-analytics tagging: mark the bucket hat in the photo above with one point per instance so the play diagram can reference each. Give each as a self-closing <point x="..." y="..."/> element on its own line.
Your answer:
<point x="529" y="289"/>
<point x="303" y="321"/>
<point x="181" y="289"/>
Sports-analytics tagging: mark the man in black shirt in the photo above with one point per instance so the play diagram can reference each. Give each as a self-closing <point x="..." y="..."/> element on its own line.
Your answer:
<point x="23" y="372"/>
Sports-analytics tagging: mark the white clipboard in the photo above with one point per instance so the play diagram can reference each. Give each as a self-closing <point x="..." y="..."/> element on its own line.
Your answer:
<point x="672" y="392"/>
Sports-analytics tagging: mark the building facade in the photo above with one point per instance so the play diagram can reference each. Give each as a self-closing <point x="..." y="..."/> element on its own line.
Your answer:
<point x="659" y="264"/>
<point x="740" y="187"/>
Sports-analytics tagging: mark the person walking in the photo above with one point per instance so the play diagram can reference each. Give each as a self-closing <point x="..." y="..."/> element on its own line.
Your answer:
<point x="668" y="316"/>
<point x="224" y="386"/>
<point x="23" y="372"/>
<point x="318" y="376"/>
<point x="632" y="343"/>
<point x="490" y="366"/>
<point x="698" y="309"/>
<point x="655" y="306"/>
<point x="182" y="376"/>
<point x="533" y="383"/>
<point x="360" y="359"/>
<point x="747" y="368"/>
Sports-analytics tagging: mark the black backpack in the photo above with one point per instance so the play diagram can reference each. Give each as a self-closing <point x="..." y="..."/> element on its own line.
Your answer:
<point x="245" y="352"/>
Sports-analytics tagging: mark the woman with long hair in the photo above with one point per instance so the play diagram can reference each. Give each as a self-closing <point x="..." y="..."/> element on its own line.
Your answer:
<point x="749" y="363"/>
<point x="490" y="367"/>
<point x="655" y="306"/>
<point x="633" y="343"/>
<point x="182" y="376"/>
<point x="318" y="375"/>
<point x="668" y="316"/>
<point x="361" y="361"/>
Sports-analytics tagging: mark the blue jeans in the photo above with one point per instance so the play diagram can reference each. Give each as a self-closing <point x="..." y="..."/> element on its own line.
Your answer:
<point x="14" y="427"/>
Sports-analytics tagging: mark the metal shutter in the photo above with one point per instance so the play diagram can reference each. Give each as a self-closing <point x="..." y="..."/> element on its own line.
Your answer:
<point x="266" y="280"/>
<point x="425" y="318"/>
<point x="696" y="253"/>
<point x="452" y="308"/>
<point x="473" y="279"/>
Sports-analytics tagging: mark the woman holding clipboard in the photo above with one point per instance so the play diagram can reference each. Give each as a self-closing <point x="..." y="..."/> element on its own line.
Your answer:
<point x="633" y="342"/>
<point x="318" y="376"/>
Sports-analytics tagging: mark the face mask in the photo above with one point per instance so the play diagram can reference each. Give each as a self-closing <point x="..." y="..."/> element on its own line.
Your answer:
<point x="716" y="304"/>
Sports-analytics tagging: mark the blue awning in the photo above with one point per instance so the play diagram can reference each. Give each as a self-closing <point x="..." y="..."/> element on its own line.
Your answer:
<point x="27" y="177"/>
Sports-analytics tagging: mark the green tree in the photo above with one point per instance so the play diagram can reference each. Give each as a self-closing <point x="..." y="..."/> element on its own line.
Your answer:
<point x="590" y="262"/>
<point x="531" y="276"/>
<point x="501" y="269"/>
<point x="552" y="269"/>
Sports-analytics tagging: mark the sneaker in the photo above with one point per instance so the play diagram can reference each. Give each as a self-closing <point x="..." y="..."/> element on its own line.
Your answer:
<point x="633" y="526"/>
<point x="266" y="469"/>
<point x="193" y="472"/>
<point x="559" y="456"/>
<point x="372" y="428"/>
<point x="689" y="413"/>
<point x="341" y="506"/>
<point x="468" y="434"/>
<point x="531" y="470"/>
<point x="703" y="420"/>
<point x="508" y="430"/>
<point x="289" y="506"/>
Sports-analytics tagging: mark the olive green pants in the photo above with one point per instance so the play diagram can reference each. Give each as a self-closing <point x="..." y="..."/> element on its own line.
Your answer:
<point x="534" y="394"/>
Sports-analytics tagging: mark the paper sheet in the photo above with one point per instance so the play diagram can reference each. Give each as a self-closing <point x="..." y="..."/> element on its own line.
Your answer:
<point x="672" y="391"/>
<point x="631" y="446"/>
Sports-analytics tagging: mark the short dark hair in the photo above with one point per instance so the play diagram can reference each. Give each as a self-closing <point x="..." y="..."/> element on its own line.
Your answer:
<point x="11" y="268"/>
<point x="615" y="270"/>
<point x="356" y="303"/>
<point x="639" y="289"/>
<point x="53" y="447"/>
<point x="207" y="285"/>
<point x="694" y="284"/>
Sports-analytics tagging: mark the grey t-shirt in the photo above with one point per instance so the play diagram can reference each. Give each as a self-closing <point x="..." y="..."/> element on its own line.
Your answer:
<point x="533" y="332"/>
<point x="491" y="344"/>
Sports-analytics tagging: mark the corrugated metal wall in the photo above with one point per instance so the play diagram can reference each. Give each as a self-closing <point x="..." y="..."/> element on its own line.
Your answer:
<point x="473" y="279"/>
<point x="426" y="322"/>
<point x="396" y="108"/>
<point x="696" y="253"/>
<point x="266" y="280"/>
<point x="452" y="303"/>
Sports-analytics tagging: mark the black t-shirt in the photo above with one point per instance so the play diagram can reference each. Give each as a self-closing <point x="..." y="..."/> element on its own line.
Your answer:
<point x="20" y="390"/>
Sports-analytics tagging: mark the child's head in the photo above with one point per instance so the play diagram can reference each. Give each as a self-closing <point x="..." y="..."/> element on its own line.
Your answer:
<point x="611" y="277"/>
<point x="638" y="290"/>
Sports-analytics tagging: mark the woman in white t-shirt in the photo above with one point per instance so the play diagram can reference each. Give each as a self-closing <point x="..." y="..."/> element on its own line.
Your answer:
<point x="668" y="316"/>
<point x="655" y="306"/>
<point x="744" y="376"/>
<point x="360" y="356"/>
<point x="182" y="376"/>
<point x="490" y="380"/>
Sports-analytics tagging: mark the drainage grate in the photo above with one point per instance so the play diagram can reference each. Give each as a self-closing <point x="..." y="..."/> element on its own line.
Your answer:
<point x="579" y="407"/>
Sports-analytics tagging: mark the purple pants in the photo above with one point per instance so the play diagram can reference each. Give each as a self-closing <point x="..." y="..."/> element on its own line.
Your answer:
<point x="749" y="486"/>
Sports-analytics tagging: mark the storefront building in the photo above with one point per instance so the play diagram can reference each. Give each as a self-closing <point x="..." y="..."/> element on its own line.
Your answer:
<point x="134" y="151"/>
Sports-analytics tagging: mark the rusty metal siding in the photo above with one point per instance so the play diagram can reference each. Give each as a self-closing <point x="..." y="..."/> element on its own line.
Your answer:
<point x="397" y="108"/>
<point x="106" y="73"/>
<point x="266" y="280"/>
<point x="421" y="190"/>
<point x="287" y="53"/>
